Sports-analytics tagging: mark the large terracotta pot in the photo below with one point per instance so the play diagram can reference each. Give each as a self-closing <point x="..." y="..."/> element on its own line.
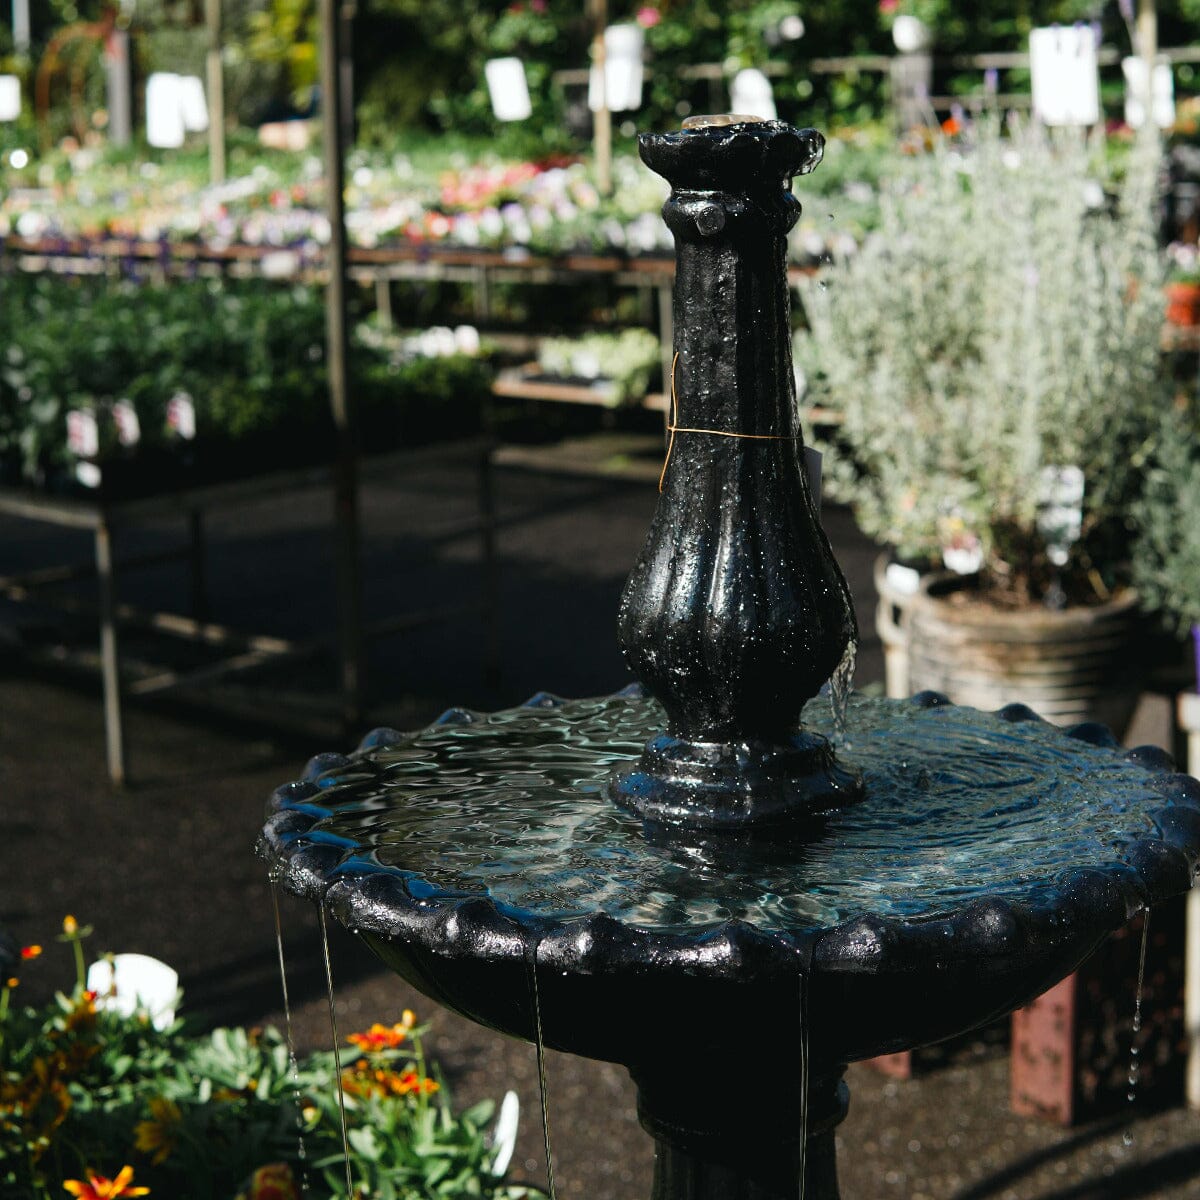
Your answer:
<point x="1183" y="304"/>
<point x="1081" y="663"/>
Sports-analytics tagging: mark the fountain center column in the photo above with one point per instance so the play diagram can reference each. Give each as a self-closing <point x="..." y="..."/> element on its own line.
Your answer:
<point x="736" y="612"/>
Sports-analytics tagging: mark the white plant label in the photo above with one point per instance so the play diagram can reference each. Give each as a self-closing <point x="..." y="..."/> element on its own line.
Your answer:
<point x="181" y="416"/>
<point x="83" y="433"/>
<point x="1162" y="95"/>
<point x="10" y="97"/>
<point x="132" y="983"/>
<point x="1060" y="510"/>
<point x="165" y="128"/>
<point x="619" y="86"/>
<point x="508" y="89"/>
<point x="750" y="93"/>
<point x="1066" y="78"/>
<point x="129" y="428"/>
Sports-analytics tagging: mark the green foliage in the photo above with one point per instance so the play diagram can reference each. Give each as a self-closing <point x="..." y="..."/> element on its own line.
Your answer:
<point x="1003" y="320"/>
<point x="83" y="1089"/>
<point x="251" y="357"/>
<point x="628" y="359"/>
<point x="1167" y="554"/>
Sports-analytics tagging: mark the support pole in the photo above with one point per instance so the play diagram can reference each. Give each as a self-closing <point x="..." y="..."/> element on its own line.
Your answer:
<point x="341" y="400"/>
<point x="216" y="92"/>
<point x="601" y="118"/>
<point x="110" y="665"/>
<point x="1147" y="48"/>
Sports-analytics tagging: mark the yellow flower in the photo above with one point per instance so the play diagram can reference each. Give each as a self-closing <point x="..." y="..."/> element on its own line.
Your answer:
<point x="159" y="1134"/>
<point x="70" y="926"/>
<point x="100" y="1188"/>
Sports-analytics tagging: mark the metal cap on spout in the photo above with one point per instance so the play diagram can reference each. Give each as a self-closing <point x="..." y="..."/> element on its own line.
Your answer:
<point x="736" y="612"/>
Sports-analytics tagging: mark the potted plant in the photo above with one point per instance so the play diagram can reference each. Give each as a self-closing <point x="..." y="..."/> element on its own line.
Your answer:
<point x="992" y="354"/>
<point x="1166" y="562"/>
<point x="1183" y="285"/>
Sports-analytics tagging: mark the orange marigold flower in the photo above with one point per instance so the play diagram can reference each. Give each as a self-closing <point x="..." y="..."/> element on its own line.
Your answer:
<point x="385" y="1037"/>
<point x="28" y="952"/>
<point x="100" y="1188"/>
<point x="11" y="982"/>
<point x="951" y="126"/>
<point x="275" y="1181"/>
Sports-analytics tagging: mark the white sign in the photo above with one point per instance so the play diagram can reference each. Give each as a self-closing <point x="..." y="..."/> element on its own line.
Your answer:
<point x="181" y="416"/>
<point x="129" y="428"/>
<point x="193" y="104"/>
<point x="10" y="97"/>
<point x="750" y="93"/>
<point x="1066" y="79"/>
<point x="132" y="983"/>
<point x="164" y="111"/>
<point x="508" y="88"/>
<point x="83" y="434"/>
<point x="619" y="87"/>
<point x="1162" y="98"/>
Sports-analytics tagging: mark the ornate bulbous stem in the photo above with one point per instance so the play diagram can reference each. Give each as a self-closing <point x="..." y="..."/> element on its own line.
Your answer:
<point x="736" y="612"/>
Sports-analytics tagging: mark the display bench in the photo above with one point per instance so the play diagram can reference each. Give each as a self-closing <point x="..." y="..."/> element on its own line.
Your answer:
<point x="238" y="652"/>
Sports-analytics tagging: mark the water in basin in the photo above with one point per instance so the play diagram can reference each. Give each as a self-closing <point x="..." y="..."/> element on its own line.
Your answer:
<point x="960" y="805"/>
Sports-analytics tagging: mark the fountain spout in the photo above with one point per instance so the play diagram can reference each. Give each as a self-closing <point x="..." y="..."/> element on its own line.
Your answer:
<point x="736" y="612"/>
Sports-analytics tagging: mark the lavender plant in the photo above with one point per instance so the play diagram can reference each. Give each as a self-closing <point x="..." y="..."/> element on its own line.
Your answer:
<point x="1000" y="327"/>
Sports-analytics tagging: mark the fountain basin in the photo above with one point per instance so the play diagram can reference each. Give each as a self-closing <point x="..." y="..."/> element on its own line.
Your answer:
<point x="647" y="979"/>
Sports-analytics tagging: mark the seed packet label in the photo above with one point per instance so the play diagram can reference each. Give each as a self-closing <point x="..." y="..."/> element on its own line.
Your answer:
<point x="619" y="86"/>
<point x="750" y="92"/>
<point x="10" y="97"/>
<point x="181" y="416"/>
<point x="83" y="433"/>
<point x="1065" y="75"/>
<point x="1162" y="94"/>
<point x="129" y="428"/>
<point x="1060" y="510"/>
<point x="508" y="89"/>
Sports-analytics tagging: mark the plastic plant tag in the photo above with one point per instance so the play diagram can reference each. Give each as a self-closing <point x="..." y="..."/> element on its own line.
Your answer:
<point x="83" y="433"/>
<point x="508" y="89"/>
<point x="1162" y="93"/>
<point x="181" y="416"/>
<point x="1066" y="80"/>
<point x="750" y="93"/>
<point x="10" y="97"/>
<point x="619" y="87"/>
<point x="193" y="104"/>
<point x="1060" y="510"/>
<point x="129" y="428"/>
<point x="132" y="983"/>
<point x="164" y="111"/>
<point x="504" y="1138"/>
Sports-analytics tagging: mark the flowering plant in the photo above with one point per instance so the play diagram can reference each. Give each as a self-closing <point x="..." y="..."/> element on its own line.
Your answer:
<point x="106" y="1106"/>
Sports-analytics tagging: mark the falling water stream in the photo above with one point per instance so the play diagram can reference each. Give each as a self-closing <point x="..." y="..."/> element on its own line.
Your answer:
<point x="539" y="1043"/>
<point x="293" y="1061"/>
<point x="841" y="683"/>
<point x="337" y="1053"/>
<point x="803" y="1084"/>
<point x="1135" y="1069"/>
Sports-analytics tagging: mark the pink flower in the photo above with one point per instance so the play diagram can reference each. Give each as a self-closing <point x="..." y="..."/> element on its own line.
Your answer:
<point x="648" y="17"/>
<point x="888" y="6"/>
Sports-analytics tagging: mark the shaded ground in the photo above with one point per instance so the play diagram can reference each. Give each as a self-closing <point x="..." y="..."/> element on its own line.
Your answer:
<point x="165" y="868"/>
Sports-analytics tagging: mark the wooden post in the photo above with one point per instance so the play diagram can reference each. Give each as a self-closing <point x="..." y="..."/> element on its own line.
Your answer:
<point x="601" y="118"/>
<point x="1189" y="722"/>
<point x="216" y="92"/>
<point x="341" y="399"/>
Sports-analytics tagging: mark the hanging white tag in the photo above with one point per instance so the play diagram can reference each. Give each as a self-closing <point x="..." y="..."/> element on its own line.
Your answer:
<point x="619" y="87"/>
<point x="10" y="97"/>
<point x="508" y="89"/>
<point x="1065" y="75"/>
<point x="164" y="111"/>
<point x="750" y="93"/>
<point x="83" y="433"/>
<point x="129" y="428"/>
<point x="181" y="416"/>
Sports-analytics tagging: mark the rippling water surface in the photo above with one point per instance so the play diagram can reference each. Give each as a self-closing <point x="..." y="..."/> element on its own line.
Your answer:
<point x="959" y="805"/>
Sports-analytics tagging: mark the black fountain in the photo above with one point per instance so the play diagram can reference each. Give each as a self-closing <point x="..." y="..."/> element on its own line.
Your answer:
<point x="722" y="849"/>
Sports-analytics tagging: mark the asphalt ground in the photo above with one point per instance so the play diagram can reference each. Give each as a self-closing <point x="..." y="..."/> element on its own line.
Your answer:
<point x="165" y="867"/>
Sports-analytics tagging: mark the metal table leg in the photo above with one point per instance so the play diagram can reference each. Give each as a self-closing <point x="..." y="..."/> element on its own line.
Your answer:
<point x="114" y="733"/>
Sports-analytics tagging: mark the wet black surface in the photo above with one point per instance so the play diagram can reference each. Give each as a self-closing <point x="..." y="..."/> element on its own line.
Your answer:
<point x="166" y="868"/>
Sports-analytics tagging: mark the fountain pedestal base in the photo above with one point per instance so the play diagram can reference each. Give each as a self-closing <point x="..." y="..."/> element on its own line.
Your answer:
<point x="734" y="1137"/>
